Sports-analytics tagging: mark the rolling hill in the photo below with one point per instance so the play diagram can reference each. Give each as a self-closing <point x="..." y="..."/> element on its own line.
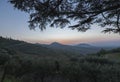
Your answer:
<point x="76" y="49"/>
<point x="53" y="49"/>
<point x="32" y="50"/>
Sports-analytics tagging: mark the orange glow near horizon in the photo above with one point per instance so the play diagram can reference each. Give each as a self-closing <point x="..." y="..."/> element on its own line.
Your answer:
<point x="10" y="26"/>
<point x="72" y="41"/>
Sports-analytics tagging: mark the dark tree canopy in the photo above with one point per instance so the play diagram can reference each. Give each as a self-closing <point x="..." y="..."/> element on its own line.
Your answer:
<point x="84" y="13"/>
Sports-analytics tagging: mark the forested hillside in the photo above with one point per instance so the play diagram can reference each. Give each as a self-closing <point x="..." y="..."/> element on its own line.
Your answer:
<point x="21" y="47"/>
<point x="25" y="62"/>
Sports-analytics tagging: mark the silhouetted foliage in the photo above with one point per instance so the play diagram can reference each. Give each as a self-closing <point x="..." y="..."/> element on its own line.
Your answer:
<point x="63" y="12"/>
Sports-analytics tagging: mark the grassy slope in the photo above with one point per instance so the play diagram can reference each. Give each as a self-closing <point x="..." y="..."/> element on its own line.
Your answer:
<point x="31" y="50"/>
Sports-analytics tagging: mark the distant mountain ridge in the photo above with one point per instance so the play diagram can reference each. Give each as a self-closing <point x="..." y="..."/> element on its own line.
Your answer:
<point x="33" y="50"/>
<point x="47" y="49"/>
<point x="56" y="44"/>
<point x="76" y="49"/>
<point x="83" y="45"/>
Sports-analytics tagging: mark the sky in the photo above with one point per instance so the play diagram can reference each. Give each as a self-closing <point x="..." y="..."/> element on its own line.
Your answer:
<point x="13" y="23"/>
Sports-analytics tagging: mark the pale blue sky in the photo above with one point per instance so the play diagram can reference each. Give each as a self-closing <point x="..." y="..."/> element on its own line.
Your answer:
<point x="13" y="23"/>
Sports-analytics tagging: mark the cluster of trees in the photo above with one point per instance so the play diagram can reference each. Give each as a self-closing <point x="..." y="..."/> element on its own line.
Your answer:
<point x="84" y="69"/>
<point x="117" y="50"/>
<point x="103" y="52"/>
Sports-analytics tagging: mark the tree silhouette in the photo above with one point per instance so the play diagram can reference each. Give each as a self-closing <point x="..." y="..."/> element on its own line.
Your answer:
<point x="60" y="13"/>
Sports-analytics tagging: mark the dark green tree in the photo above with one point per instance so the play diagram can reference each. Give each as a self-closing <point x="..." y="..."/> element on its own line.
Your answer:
<point x="102" y="52"/>
<point x="62" y="12"/>
<point x="57" y="66"/>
